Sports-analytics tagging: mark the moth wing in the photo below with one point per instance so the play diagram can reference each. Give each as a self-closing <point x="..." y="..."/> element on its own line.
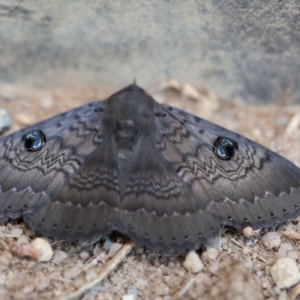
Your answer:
<point x="255" y="187"/>
<point x="87" y="204"/>
<point x="29" y="180"/>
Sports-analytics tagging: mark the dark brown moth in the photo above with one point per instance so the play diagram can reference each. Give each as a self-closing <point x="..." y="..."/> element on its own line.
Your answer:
<point x="165" y="178"/>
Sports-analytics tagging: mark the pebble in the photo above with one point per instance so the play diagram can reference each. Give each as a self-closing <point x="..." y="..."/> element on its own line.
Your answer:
<point x="5" y="120"/>
<point x="93" y="263"/>
<point x="293" y="254"/>
<point x="90" y="275"/>
<point x="72" y="272"/>
<point x="107" y="244"/>
<point x="84" y="255"/>
<point x="286" y="249"/>
<point x="210" y="254"/>
<point x="44" y="247"/>
<point x="166" y="271"/>
<point x="27" y="289"/>
<point x="115" y="280"/>
<point x="292" y="235"/>
<point x="161" y="289"/>
<point x="248" y="232"/>
<point x="15" y="231"/>
<point x="246" y="250"/>
<point x="193" y="263"/>
<point x="97" y="249"/>
<point x="60" y="256"/>
<point x="4" y="261"/>
<point x="202" y="278"/>
<point x="88" y="297"/>
<point x="285" y="272"/>
<point x="131" y="293"/>
<point x="132" y="290"/>
<point x="141" y="283"/>
<point x="115" y="247"/>
<point x="3" y="229"/>
<point x="213" y="267"/>
<point x="41" y="283"/>
<point x="24" y="119"/>
<point x="129" y="297"/>
<point x="271" y="240"/>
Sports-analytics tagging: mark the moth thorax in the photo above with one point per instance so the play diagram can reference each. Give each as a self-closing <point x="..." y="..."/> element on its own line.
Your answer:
<point x="126" y="129"/>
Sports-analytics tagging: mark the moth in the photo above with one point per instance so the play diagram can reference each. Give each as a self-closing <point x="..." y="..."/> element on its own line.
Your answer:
<point x="165" y="178"/>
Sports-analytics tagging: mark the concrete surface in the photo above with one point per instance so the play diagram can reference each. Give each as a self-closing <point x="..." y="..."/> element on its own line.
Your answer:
<point x="246" y="49"/>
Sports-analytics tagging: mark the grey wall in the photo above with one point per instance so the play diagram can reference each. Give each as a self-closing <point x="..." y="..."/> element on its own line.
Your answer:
<point x="246" y="49"/>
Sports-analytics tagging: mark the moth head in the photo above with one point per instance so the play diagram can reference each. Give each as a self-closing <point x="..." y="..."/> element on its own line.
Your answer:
<point x="130" y="102"/>
<point x="224" y="148"/>
<point x="129" y="112"/>
<point x="34" y="140"/>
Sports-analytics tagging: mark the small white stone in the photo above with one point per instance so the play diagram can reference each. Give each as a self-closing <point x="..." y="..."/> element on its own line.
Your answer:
<point x="193" y="263"/>
<point x="210" y="254"/>
<point x="72" y="272"/>
<point x="41" y="283"/>
<point x="286" y="249"/>
<point x="141" y="283"/>
<point x="24" y="119"/>
<point x="115" y="279"/>
<point x="90" y="275"/>
<point x="285" y="272"/>
<point x="271" y="240"/>
<point x="246" y="250"/>
<point x="129" y="297"/>
<point x="15" y="231"/>
<point x="161" y="289"/>
<point x="293" y="255"/>
<point x="115" y="247"/>
<point x="131" y="290"/>
<point x="60" y="255"/>
<point x="97" y="249"/>
<point x="107" y="244"/>
<point x="84" y="255"/>
<point x="44" y="247"/>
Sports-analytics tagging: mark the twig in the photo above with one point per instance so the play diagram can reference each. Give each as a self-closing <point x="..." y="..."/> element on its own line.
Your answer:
<point x="240" y="245"/>
<point x="121" y="254"/>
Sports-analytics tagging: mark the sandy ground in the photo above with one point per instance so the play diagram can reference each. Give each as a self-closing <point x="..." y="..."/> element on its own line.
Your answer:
<point x="238" y="269"/>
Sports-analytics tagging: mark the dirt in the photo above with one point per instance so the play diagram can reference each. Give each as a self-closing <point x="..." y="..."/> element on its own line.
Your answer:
<point x="241" y="267"/>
